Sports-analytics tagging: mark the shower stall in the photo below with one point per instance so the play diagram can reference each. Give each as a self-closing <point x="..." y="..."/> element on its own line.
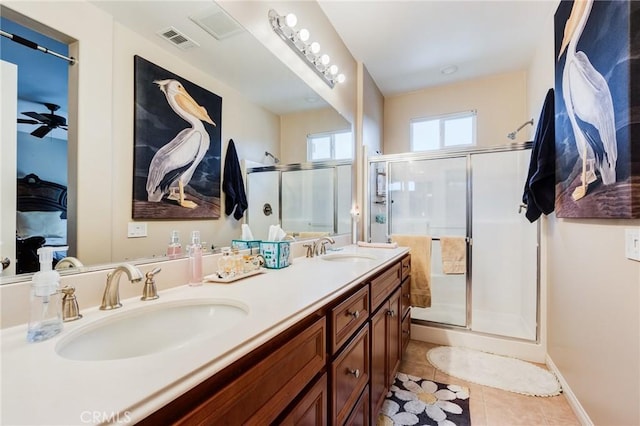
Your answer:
<point x="474" y="195"/>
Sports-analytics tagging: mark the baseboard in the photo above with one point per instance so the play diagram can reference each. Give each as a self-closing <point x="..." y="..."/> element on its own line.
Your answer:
<point x="575" y="405"/>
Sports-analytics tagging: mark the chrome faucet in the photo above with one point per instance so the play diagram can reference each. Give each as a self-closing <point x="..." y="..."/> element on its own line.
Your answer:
<point x="68" y="263"/>
<point x="111" y="296"/>
<point x="319" y="246"/>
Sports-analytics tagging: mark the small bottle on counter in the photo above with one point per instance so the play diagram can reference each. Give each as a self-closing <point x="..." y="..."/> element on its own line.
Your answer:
<point x="175" y="248"/>
<point x="238" y="262"/>
<point x="195" y="260"/>
<point x="225" y="263"/>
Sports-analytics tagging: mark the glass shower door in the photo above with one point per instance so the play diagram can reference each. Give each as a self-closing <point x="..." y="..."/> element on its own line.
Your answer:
<point x="505" y="247"/>
<point x="429" y="197"/>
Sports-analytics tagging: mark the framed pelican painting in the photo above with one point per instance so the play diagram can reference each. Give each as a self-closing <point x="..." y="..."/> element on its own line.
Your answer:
<point x="597" y="109"/>
<point x="176" y="146"/>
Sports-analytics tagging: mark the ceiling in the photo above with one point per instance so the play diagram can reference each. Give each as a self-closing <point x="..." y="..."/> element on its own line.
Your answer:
<point x="403" y="44"/>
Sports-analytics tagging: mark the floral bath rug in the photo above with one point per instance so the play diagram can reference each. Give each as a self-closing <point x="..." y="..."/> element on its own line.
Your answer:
<point x="415" y="401"/>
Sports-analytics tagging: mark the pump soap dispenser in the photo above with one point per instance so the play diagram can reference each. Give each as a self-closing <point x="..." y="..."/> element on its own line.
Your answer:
<point x="45" y="317"/>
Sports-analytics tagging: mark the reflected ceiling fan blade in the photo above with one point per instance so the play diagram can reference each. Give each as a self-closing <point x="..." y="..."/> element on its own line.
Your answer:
<point x="37" y="116"/>
<point x="41" y="131"/>
<point x="27" y="121"/>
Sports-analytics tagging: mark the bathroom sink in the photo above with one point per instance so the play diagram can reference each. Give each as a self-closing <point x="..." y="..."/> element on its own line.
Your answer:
<point x="348" y="257"/>
<point x="151" y="330"/>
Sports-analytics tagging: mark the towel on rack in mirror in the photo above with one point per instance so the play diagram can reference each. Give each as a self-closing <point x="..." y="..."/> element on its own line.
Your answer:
<point x="420" y="246"/>
<point x="454" y="255"/>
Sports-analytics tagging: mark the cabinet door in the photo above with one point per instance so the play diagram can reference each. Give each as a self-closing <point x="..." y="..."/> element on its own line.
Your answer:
<point x="312" y="408"/>
<point x="378" y="358"/>
<point x="393" y="336"/>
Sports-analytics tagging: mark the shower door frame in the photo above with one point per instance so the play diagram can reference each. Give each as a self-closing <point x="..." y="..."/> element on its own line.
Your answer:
<point x="455" y="153"/>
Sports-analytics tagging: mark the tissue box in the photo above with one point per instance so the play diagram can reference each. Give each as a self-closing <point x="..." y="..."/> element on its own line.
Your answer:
<point x="275" y="253"/>
<point x="244" y="245"/>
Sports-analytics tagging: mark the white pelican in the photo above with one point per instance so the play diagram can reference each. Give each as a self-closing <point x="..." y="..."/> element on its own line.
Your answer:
<point x="587" y="99"/>
<point x="172" y="166"/>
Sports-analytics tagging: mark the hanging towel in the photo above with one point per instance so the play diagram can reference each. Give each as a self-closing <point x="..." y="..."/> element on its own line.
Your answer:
<point x="233" y="185"/>
<point x="539" y="189"/>
<point x="454" y="255"/>
<point x="420" y="246"/>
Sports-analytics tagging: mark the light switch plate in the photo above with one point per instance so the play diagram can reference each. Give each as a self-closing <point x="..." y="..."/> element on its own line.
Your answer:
<point x="632" y="243"/>
<point x="136" y="229"/>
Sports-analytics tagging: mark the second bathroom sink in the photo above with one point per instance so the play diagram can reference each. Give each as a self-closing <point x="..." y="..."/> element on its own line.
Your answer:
<point x="348" y="257"/>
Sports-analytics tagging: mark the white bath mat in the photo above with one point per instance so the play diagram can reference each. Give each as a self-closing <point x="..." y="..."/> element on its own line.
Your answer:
<point x="497" y="371"/>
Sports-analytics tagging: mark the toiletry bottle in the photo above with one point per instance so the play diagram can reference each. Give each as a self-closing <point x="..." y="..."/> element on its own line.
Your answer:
<point x="238" y="262"/>
<point x="45" y="316"/>
<point x="225" y="263"/>
<point x="175" y="248"/>
<point x="195" y="260"/>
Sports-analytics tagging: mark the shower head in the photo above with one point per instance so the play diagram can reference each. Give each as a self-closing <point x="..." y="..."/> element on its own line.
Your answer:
<point x="276" y="160"/>
<point x="512" y="135"/>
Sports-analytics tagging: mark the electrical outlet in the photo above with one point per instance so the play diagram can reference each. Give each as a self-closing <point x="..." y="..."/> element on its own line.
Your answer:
<point x="632" y="243"/>
<point x="136" y="229"/>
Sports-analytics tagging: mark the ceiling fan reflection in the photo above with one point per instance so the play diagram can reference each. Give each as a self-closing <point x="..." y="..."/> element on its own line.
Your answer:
<point x="47" y="120"/>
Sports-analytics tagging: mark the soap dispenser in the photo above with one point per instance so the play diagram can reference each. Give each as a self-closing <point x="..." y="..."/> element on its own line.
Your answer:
<point x="195" y="260"/>
<point x="45" y="316"/>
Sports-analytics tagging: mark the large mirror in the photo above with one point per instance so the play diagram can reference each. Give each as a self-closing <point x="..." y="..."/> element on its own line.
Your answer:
<point x="260" y="96"/>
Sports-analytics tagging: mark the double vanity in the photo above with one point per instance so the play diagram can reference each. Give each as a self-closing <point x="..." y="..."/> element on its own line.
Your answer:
<point x="317" y="342"/>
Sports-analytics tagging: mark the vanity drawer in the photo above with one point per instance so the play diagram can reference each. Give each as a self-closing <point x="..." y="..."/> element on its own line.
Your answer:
<point x="261" y="393"/>
<point x="406" y="267"/>
<point x="360" y="414"/>
<point x="405" y="298"/>
<point x="350" y="375"/>
<point x="348" y="316"/>
<point x="383" y="285"/>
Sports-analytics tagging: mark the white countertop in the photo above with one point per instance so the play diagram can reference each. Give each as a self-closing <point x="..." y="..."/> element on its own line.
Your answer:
<point x="39" y="387"/>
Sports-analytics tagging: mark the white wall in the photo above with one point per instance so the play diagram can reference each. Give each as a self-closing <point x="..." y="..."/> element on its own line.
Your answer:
<point x="593" y="295"/>
<point x="500" y="100"/>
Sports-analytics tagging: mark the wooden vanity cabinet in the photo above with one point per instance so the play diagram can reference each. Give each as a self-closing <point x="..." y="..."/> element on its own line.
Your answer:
<point x="406" y="301"/>
<point x="334" y="367"/>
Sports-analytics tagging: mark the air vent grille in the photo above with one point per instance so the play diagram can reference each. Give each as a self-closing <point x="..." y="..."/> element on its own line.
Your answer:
<point x="217" y="23"/>
<point x="177" y="38"/>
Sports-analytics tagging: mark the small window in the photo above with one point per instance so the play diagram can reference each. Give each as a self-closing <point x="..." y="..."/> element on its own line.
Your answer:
<point x="444" y="131"/>
<point x="330" y="146"/>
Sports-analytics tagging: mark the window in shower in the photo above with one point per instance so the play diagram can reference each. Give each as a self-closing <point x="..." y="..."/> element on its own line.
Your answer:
<point x="330" y="146"/>
<point x="443" y="131"/>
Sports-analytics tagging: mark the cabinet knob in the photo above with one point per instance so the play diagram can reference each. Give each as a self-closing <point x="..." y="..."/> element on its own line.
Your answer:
<point x="391" y="313"/>
<point x="356" y="372"/>
<point x="354" y="314"/>
<point x="405" y="332"/>
<point x="407" y="295"/>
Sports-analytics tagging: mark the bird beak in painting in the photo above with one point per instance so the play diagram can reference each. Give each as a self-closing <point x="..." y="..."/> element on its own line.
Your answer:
<point x="570" y="26"/>
<point x="189" y="104"/>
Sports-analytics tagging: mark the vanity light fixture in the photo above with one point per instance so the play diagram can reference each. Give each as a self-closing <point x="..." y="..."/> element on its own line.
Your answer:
<point x="298" y="41"/>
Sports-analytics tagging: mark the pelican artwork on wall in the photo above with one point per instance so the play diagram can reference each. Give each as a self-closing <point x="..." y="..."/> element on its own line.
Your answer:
<point x="589" y="105"/>
<point x="173" y="165"/>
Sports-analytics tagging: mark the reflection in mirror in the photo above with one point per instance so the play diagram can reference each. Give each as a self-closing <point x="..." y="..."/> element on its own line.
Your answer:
<point x="240" y="64"/>
<point x="308" y="200"/>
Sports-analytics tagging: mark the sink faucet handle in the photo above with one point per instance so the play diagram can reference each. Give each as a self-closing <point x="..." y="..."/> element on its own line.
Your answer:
<point x="150" y="292"/>
<point x="70" y="310"/>
<point x="310" y="249"/>
<point x="323" y="247"/>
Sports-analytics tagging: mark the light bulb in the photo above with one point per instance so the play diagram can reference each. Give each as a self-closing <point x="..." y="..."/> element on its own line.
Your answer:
<point x="303" y="34"/>
<point x="315" y="47"/>
<point x="333" y="69"/>
<point x="291" y="20"/>
<point x="324" y="59"/>
<point x="341" y="78"/>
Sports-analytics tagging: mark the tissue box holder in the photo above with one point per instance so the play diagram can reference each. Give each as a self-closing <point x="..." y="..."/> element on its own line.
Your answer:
<point x="275" y="253"/>
<point x="245" y="245"/>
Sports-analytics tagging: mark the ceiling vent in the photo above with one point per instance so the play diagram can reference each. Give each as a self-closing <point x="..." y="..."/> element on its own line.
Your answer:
<point x="217" y="22"/>
<point x="177" y="38"/>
